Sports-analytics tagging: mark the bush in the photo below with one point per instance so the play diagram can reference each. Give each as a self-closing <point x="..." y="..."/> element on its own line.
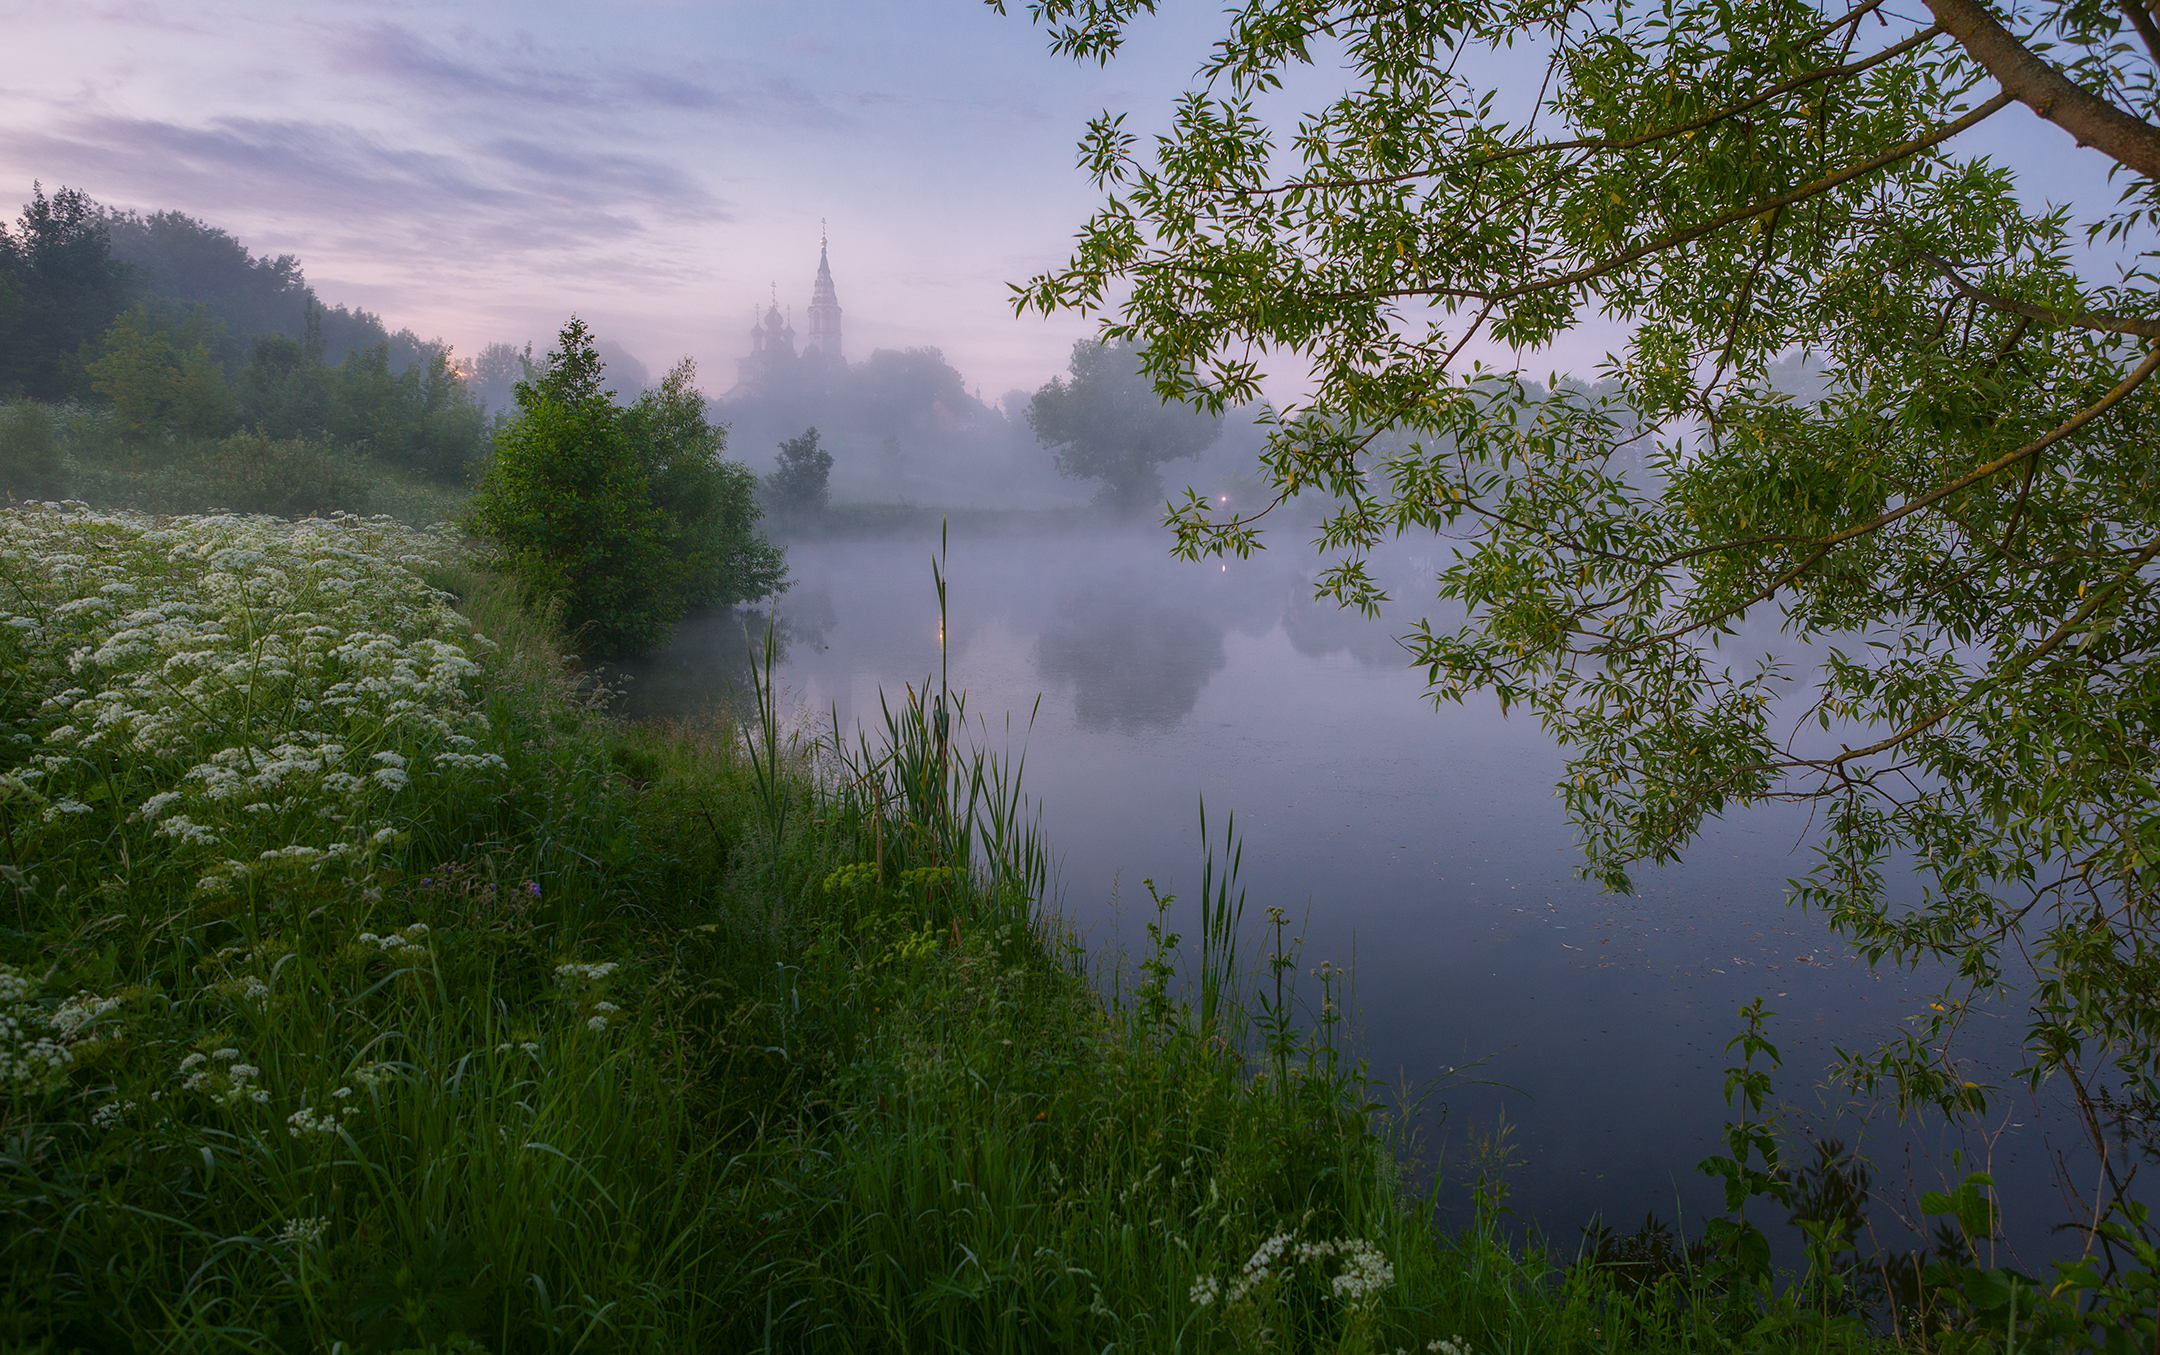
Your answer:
<point x="801" y="482"/>
<point x="710" y="502"/>
<point x="628" y="515"/>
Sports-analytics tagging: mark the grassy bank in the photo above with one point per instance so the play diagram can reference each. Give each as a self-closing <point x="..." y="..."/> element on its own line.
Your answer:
<point x="364" y="990"/>
<point x="77" y="452"/>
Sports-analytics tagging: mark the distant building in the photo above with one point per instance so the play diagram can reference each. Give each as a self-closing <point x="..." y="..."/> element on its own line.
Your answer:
<point x="824" y="311"/>
<point x="773" y="366"/>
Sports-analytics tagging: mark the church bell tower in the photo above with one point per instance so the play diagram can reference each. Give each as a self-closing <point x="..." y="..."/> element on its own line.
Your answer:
<point x="824" y="335"/>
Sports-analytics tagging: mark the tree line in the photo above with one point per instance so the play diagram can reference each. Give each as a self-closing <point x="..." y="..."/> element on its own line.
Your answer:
<point x="176" y="326"/>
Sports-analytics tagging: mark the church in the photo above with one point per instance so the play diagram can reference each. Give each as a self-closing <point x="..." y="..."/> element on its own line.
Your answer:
<point x="773" y="365"/>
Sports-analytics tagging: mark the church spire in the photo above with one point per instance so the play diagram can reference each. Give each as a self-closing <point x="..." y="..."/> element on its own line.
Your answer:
<point x="824" y="307"/>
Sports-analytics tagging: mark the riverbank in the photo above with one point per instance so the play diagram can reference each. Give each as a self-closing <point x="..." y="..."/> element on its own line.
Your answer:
<point x="363" y="985"/>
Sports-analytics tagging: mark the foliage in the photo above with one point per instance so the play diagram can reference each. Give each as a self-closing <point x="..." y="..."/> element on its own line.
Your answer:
<point x="1109" y="424"/>
<point x="629" y="515"/>
<point x="801" y="479"/>
<point x="421" y="417"/>
<point x="179" y="264"/>
<point x="709" y="502"/>
<point x="1956" y="534"/>
<point x="60" y="288"/>
<point x="155" y="384"/>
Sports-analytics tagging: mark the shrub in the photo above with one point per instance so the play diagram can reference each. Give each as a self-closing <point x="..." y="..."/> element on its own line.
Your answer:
<point x="710" y="502"/>
<point x="628" y="515"/>
<point x="801" y="481"/>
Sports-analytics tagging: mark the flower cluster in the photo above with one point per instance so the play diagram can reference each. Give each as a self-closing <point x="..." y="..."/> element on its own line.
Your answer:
<point x="410" y="944"/>
<point x="36" y="1042"/>
<point x="300" y="1234"/>
<point x="221" y="1076"/>
<point x="1258" y="1267"/>
<point x="599" y="1015"/>
<point x="274" y="686"/>
<point x="322" y="1121"/>
<point x="109" y="1115"/>
<point x="1364" y="1272"/>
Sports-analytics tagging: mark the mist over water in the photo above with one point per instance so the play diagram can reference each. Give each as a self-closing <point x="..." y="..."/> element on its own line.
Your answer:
<point x="1424" y="848"/>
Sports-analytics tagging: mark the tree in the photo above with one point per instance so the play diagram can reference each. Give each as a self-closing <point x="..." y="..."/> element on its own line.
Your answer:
<point x="62" y="290"/>
<point x="628" y="515"/>
<point x="800" y="480"/>
<point x="1963" y="524"/>
<point x="1109" y="423"/>
<point x="710" y="503"/>
<point x="159" y="381"/>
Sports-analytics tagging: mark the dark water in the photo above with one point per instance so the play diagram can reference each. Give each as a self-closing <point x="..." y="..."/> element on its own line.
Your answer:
<point x="1422" y="848"/>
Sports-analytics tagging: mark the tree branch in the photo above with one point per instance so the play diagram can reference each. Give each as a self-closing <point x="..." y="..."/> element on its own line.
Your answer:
<point x="2036" y="83"/>
<point x="2100" y="597"/>
<point x="1593" y="143"/>
<point x="1824" y="545"/>
<point x="2095" y="320"/>
<point x="1737" y="214"/>
<point x="2142" y="20"/>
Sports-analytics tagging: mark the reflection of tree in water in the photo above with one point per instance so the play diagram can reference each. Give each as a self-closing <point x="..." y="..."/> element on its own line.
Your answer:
<point x="1135" y="664"/>
<point x="1317" y="628"/>
<point x="707" y="665"/>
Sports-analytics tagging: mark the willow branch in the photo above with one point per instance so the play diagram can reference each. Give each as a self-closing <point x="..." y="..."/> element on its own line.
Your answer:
<point x="1820" y="186"/>
<point x="1710" y="119"/>
<point x="1824" y="545"/>
<point x="2036" y="83"/>
<point x="2100" y="321"/>
<point x="2070" y="624"/>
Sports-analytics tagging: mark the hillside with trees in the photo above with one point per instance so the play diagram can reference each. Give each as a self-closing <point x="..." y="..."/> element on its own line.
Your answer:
<point x="156" y="362"/>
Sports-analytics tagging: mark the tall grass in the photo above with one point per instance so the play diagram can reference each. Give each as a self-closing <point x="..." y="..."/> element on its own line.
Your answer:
<point x="73" y="452"/>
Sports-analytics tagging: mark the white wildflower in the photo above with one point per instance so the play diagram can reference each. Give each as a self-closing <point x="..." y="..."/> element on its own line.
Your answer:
<point x="307" y="1122"/>
<point x="109" y="1115"/>
<point x="588" y="973"/>
<point x="303" y="1233"/>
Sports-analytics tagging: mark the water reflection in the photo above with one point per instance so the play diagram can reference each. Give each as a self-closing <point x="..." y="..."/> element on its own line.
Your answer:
<point x="1134" y="664"/>
<point x="708" y="665"/>
<point x="1316" y="628"/>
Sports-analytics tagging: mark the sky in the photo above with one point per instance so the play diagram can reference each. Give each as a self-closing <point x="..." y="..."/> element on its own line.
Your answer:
<point x="478" y="171"/>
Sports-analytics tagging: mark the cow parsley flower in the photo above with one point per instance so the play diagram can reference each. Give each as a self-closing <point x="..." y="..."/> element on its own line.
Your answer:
<point x="303" y="1233"/>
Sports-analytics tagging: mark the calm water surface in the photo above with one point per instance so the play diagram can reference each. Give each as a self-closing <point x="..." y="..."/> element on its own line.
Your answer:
<point x="1422" y="847"/>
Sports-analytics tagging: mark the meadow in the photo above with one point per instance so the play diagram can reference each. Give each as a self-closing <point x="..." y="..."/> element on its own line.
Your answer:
<point x="83" y="452"/>
<point x="364" y="987"/>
